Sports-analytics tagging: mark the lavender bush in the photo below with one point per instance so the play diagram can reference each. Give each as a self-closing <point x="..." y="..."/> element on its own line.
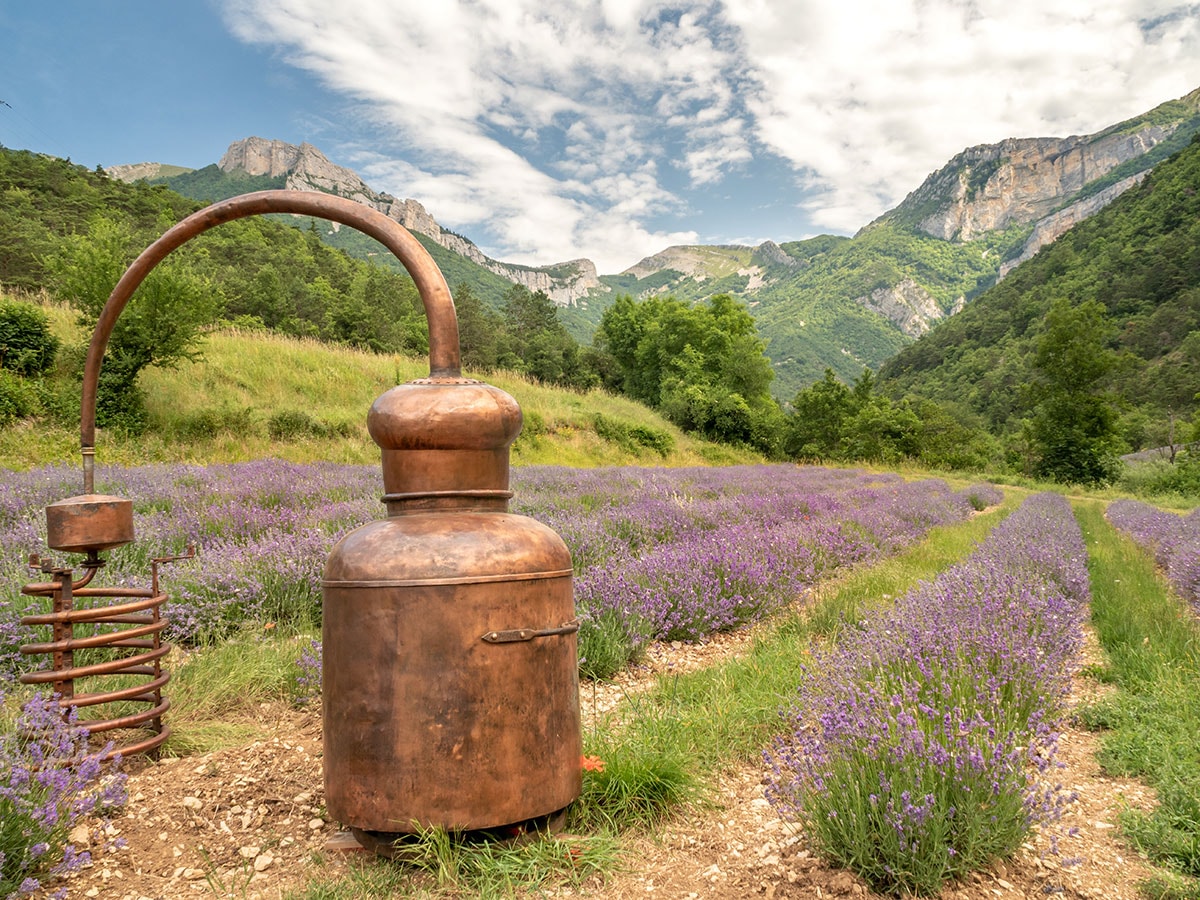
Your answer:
<point x="49" y="781"/>
<point x="1174" y="540"/>
<point x="924" y="743"/>
<point x="308" y="681"/>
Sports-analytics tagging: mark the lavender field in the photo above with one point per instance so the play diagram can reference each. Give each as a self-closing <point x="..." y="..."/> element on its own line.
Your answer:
<point x="659" y="553"/>
<point x="1173" y="539"/>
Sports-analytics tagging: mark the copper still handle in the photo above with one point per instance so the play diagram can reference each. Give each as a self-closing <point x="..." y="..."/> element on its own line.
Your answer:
<point x="528" y="634"/>
<point x="444" y="358"/>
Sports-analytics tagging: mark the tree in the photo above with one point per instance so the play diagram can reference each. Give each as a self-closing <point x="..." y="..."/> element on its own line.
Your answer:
<point x="161" y="325"/>
<point x="478" y="330"/>
<point x="818" y="419"/>
<point x="1073" y="430"/>
<point x="537" y="343"/>
<point x="703" y="366"/>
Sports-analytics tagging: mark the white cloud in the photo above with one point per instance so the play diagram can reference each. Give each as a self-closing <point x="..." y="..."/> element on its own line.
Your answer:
<point x="569" y="129"/>
<point x="532" y="122"/>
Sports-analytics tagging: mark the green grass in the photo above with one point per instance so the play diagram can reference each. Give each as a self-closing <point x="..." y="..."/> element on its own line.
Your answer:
<point x="216" y="692"/>
<point x="438" y="866"/>
<point x="1152" y="723"/>
<point x="232" y="405"/>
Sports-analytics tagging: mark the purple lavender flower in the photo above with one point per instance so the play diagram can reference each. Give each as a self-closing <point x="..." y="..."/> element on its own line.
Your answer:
<point x="682" y="552"/>
<point x="308" y="682"/>
<point x="50" y="779"/>
<point x="1174" y="540"/>
<point x="931" y="731"/>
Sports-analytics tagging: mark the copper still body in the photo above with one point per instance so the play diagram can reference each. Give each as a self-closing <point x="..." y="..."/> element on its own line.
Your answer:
<point x="450" y="679"/>
<point x="450" y="672"/>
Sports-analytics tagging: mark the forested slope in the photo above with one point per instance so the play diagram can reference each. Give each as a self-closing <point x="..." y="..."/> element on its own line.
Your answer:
<point x="1139" y="258"/>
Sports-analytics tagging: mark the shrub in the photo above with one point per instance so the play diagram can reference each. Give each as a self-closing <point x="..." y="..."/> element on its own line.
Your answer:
<point x="981" y="496"/>
<point x="308" y="681"/>
<point x="632" y="437"/>
<point x="26" y="345"/>
<point x="18" y="398"/>
<point x="910" y="759"/>
<point x="294" y="424"/>
<point x="239" y="420"/>
<point x="608" y="642"/>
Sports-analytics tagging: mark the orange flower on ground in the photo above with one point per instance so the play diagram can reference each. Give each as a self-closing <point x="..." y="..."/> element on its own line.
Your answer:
<point x="591" y="763"/>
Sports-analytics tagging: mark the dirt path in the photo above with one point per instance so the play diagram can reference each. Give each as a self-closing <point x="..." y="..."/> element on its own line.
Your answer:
<point x="247" y="823"/>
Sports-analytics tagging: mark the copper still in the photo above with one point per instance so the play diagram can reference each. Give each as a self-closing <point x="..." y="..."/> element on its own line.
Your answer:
<point x="450" y="679"/>
<point x="450" y="672"/>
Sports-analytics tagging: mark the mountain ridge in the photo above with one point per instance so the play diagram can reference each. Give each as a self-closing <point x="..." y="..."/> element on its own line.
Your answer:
<point x="1139" y="258"/>
<point x="845" y="303"/>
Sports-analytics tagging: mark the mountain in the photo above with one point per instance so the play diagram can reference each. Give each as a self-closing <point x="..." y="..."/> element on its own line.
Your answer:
<point x="1139" y="257"/>
<point x="842" y="303"/>
<point x="259" y="164"/>
<point x="849" y="303"/>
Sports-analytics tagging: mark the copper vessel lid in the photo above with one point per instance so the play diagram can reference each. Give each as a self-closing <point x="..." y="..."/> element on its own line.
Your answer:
<point x="445" y="442"/>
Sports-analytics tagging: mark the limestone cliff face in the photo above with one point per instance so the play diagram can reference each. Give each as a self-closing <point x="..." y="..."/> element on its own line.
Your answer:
<point x="774" y="255"/>
<point x="1020" y="180"/>
<point x="1052" y="226"/>
<point x="689" y="261"/>
<point x="906" y="305"/>
<point x="307" y="169"/>
<point x="702" y="263"/>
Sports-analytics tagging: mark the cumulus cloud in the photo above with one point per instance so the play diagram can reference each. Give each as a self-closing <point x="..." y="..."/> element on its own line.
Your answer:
<point x="578" y="128"/>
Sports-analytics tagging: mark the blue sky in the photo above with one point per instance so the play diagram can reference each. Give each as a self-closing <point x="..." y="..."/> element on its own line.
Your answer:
<point x="607" y="129"/>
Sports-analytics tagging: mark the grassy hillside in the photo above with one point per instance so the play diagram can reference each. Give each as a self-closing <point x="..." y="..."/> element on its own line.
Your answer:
<point x="1140" y="257"/>
<point x="256" y="395"/>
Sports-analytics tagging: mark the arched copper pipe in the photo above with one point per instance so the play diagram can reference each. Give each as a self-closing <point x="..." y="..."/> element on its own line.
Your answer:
<point x="444" y="359"/>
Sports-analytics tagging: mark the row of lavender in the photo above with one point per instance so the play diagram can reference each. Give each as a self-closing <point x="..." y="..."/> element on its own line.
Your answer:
<point x="672" y="553"/>
<point x="1173" y="539"/>
<point x="924" y="743"/>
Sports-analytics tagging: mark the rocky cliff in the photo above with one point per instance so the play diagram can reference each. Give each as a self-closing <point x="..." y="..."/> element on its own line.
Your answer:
<point x="1052" y="226"/>
<point x="132" y="172"/>
<point x="1020" y="180"/>
<point x="1023" y="180"/>
<point x="307" y="169"/>
<point x="906" y="305"/>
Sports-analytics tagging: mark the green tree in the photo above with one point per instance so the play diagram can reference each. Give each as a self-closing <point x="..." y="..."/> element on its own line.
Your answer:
<point x="1073" y="430"/>
<point x="703" y="366"/>
<point x="478" y="330"/>
<point x="162" y="323"/>
<point x="537" y="343"/>
<point x="816" y="427"/>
